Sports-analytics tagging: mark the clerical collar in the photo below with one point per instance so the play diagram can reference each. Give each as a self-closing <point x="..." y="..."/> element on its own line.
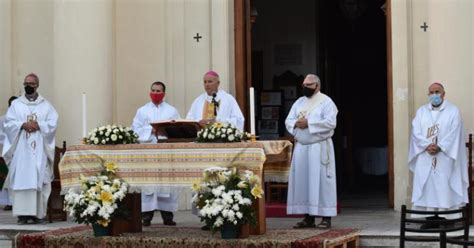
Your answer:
<point x="32" y="98"/>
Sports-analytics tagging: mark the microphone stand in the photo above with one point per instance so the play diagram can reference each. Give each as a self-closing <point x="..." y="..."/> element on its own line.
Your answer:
<point x="216" y="104"/>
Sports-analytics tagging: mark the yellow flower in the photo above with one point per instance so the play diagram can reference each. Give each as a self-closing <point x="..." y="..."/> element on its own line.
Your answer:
<point x="196" y="186"/>
<point x="242" y="185"/>
<point x="106" y="197"/>
<point x="93" y="189"/>
<point x="82" y="179"/>
<point x="254" y="180"/>
<point x="110" y="167"/>
<point x="221" y="178"/>
<point x="99" y="185"/>
<point x="257" y="191"/>
<point x="104" y="223"/>
<point x="217" y="124"/>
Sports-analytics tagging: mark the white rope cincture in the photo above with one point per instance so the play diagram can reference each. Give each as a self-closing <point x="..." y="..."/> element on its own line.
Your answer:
<point x="326" y="157"/>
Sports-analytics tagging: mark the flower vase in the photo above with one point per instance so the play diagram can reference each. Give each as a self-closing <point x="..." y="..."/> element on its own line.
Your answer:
<point x="230" y="231"/>
<point x="100" y="230"/>
<point x="244" y="231"/>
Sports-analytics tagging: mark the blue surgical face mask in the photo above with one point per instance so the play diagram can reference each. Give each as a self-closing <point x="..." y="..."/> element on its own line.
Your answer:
<point x="435" y="99"/>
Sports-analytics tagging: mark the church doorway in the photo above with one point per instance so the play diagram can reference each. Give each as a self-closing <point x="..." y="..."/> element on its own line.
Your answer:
<point x="345" y="43"/>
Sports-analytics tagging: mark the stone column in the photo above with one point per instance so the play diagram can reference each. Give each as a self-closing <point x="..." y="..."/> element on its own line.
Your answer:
<point x="83" y="62"/>
<point x="5" y="54"/>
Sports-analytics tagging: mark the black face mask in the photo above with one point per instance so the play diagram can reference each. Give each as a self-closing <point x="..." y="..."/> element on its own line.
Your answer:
<point x="307" y="92"/>
<point x="29" y="90"/>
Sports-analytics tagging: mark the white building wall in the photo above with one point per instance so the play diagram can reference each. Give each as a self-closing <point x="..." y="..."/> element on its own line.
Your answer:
<point x="443" y="53"/>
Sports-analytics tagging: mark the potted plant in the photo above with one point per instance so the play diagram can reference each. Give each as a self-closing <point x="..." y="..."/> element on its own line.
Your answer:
<point x="224" y="199"/>
<point x="98" y="200"/>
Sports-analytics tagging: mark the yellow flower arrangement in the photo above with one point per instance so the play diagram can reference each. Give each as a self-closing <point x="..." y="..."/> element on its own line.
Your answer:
<point x="225" y="197"/>
<point x="99" y="197"/>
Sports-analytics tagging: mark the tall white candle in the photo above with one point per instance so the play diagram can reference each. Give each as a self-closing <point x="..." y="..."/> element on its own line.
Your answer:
<point x="252" y="111"/>
<point x="84" y="115"/>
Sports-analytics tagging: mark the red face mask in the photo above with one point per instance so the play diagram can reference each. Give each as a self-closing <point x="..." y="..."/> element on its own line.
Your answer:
<point x="157" y="98"/>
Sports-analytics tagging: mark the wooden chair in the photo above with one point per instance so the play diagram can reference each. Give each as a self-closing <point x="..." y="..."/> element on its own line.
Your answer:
<point x="444" y="226"/>
<point x="471" y="183"/>
<point x="448" y="240"/>
<point x="56" y="201"/>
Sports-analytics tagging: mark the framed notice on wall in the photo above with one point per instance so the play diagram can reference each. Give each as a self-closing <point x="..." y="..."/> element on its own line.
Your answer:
<point x="271" y="98"/>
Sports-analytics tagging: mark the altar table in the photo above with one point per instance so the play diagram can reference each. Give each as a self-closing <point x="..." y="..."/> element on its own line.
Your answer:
<point x="173" y="167"/>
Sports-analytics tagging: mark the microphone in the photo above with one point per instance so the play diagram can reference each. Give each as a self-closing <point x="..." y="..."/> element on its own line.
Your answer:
<point x="216" y="104"/>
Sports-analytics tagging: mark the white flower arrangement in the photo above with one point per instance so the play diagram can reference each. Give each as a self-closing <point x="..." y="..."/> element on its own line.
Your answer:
<point x="224" y="197"/>
<point x="111" y="135"/>
<point x="221" y="132"/>
<point x="99" y="198"/>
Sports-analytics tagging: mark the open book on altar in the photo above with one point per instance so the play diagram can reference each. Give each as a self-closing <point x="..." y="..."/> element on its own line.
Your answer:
<point x="177" y="129"/>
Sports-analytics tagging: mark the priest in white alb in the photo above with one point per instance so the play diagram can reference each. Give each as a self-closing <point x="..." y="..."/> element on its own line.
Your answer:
<point x="155" y="110"/>
<point x="28" y="149"/>
<point x="215" y="105"/>
<point x="437" y="155"/>
<point x="312" y="182"/>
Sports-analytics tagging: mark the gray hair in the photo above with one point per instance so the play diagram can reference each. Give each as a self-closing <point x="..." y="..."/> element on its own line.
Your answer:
<point x="313" y="78"/>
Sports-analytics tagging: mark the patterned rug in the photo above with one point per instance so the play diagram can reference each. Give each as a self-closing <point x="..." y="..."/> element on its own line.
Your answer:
<point x="167" y="237"/>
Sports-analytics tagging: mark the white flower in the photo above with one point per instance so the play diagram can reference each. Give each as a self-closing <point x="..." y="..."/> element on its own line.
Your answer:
<point x="231" y="137"/>
<point x="219" y="222"/>
<point x="120" y="137"/>
<point x="216" y="192"/>
<point x="239" y="215"/>
<point x="113" y="137"/>
<point x="215" y="169"/>
<point x="229" y="131"/>
<point x="103" y="141"/>
<point x="96" y="141"/>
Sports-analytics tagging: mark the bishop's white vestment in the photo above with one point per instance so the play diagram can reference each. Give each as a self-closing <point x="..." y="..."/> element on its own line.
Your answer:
<point x="30" y="156"/>
<point x="312" y="182"/>
<point x="141" y="125"/>
<point x="227" y="111"/>
<point x="440" y="181"/>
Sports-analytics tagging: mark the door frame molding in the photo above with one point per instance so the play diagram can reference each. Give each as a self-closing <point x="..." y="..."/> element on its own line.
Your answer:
<point x="243" y="74"/>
